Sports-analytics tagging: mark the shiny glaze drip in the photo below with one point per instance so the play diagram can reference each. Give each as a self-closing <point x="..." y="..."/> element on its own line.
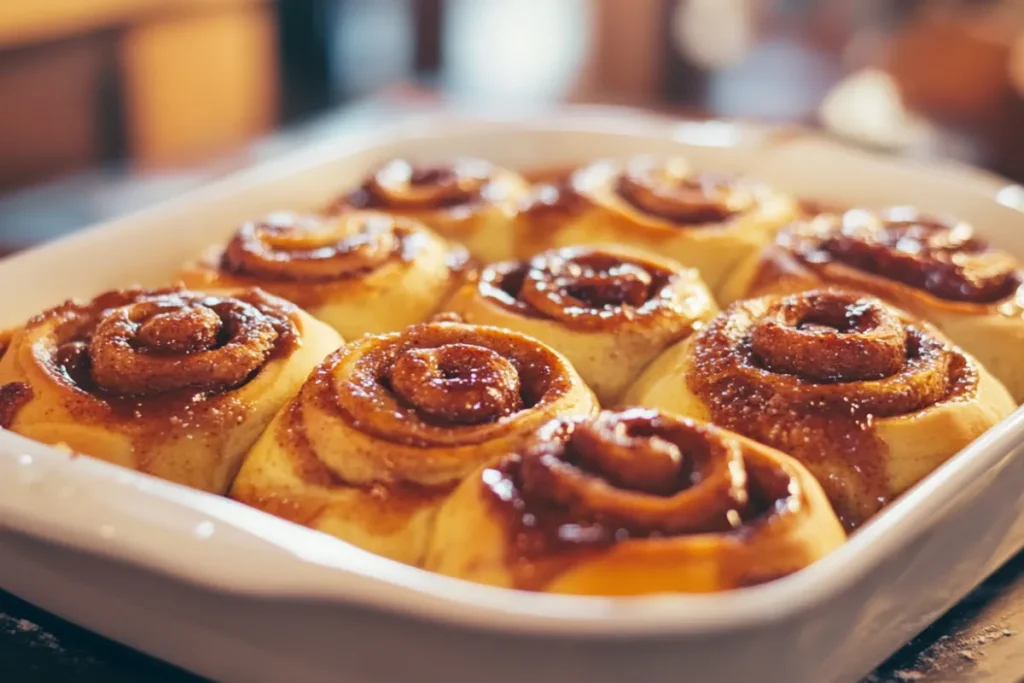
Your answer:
<point x="443" y="384"/>
<point x="129" y="354"/>
<point x="944" y="259"/>
<point x="296" y="248"/>
<point x="400" y="185"/>
<point x="585" y="484"/>
<point x="586" y="288"/>
<point x="809" y="374"/>
<point x="13" y="397"/>
<point x="672" y="191"/>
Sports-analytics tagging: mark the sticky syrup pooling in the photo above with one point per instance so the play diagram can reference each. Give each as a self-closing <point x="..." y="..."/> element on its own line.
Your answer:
<point x="944" y="258"/>
<point x="400" y="185"/>
<point x="585" y="483"/>
<point x="672" y="190"/>
<point x="292" y="247"/>
<point x="810" y="373"/>
<point x="444" y="383"/>
<point x="587" y="288"/>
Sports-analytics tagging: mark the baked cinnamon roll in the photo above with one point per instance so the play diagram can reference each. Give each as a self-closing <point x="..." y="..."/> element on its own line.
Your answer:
<point x="867" y="397"/>
<point x="388" y="425"/>
<point x="702" y="220"/>
<point x="937" y="269"/>
<point x="610" y="310"/>
<point x="632" y="503"/>
<point x="468" y="200"/>
<point x="174" y="383"/>
<point x="361" y="272"/>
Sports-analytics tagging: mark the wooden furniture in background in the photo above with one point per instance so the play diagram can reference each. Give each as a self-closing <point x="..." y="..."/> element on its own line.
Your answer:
<point x="175" y="81"/>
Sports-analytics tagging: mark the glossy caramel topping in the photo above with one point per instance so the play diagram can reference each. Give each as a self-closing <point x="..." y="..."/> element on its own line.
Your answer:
<point x="460" y="383"/>
<point x="589" y="288"/>
<point x="810" y="374"/>
<point x="402" y="185"/>
<point x="142" y="343"/>
<point x="673" y="191"/>
<point x="13" y="397"/>
<point x="441" y="383"/>
<point x="945" y="259"/>
<point x="632" y="474"/>
<point x="294" y="247"/>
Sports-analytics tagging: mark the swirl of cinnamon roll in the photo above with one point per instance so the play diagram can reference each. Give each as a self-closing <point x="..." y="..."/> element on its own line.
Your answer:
<point x="467" y="200"/>
<point x="867" y="397"/>
<point x="388" y="425"/>
<point x="703" y="220"/>
<point x="360" y="272"/>
<point x="610" y="310"/>
<point x="937" y="269"/>
<point x="634" y="502"/>
<point x="171" y="382"/>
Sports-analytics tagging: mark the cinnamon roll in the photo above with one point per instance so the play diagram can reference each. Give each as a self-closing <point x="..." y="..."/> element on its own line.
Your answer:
<point x="630" y="503"/>
<point x="867" y="397"/>
<point x="174" y="383"/>
<point x="937" y="269"/>
<point x="360" y="272"/>
<point x="468" y="200"/>
<point x="388" y="425"/>
<point x="611" y="311"/>
<point x="702" y="220"/>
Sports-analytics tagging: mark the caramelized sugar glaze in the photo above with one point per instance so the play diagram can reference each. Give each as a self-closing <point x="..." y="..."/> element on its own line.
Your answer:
<point x="610" y="310"/>
<point x="664" y="205"/>
<point x="387" y="425"/>
<point x="669" y="493"/>
<point x="310" y="249"/>
<point x="134" y="354"/>
<point x="810" y="374"/>
<point x="587" y="288"/>
<point x="939" y="257"/>
<point x="467" y="199"/>
<point x="134" y="375"/>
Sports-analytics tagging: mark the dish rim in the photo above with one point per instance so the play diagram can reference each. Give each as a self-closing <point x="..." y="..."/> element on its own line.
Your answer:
<point x="300" y="564"/>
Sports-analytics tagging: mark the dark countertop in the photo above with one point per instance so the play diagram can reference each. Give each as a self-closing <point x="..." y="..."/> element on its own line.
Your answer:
<point x="981" y="639"/>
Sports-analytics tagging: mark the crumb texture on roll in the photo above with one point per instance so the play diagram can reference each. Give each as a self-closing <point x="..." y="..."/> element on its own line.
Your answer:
<point x="937" y="269"/>
<point x="171" y="382"/>
<point x="388" y="425"/>
<point x="359" y="271"/>
<point x="867" y="397"/>
<point x="610" y="310"/>
<point x="703" y="220"/>
<point x="630" y="503"/>
<point x="468" y="200"/>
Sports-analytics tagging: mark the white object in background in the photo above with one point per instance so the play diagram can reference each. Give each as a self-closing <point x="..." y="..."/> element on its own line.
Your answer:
<point x="866" y="107"/>
<point x="714" y="33"/>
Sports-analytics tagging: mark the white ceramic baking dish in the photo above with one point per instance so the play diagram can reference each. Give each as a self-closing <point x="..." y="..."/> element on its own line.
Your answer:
<point x="236" y="595"/>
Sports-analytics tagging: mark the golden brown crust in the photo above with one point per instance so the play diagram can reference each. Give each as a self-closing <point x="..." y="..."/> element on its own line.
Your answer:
<point x="692" y="503"/>
<point x="360" y="271"/>
<point x="403" y="418"/>
<point x="590" y="288"/>
<point x="702" y="220"/>
<point x="820" y="375"/>
<point x="898" y="254"/>
<point x="609" y="310"/>
<point x="935" y="269"/>
<point x="468" y="200"/>
<point x="134" y="372"/>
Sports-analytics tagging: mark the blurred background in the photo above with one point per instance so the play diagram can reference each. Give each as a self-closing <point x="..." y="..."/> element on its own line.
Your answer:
<point x="109" y="105"/>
